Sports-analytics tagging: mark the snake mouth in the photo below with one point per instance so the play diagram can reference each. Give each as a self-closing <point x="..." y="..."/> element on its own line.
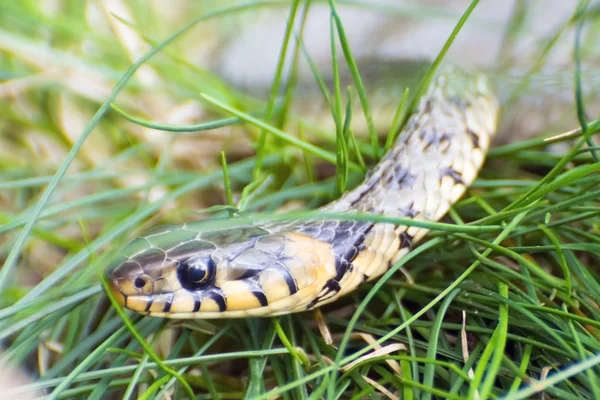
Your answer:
<point x="139" y="302"/>
<point x="119" y="296"/>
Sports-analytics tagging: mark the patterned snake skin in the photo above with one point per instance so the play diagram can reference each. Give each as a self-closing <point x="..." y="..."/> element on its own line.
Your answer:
<point x="278" y="268"/>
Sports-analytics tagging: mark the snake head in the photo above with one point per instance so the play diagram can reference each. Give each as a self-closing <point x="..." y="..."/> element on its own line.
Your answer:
<point x="178" y="272"/>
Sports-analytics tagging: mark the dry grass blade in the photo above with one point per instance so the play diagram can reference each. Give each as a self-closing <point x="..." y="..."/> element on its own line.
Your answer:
<point x="380" y="351"/>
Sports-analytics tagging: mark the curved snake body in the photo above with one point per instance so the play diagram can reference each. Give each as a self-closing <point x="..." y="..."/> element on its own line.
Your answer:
<point x="279" y="268"/>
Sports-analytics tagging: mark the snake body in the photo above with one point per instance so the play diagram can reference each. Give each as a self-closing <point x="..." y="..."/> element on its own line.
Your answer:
<point x="278" y="268"/>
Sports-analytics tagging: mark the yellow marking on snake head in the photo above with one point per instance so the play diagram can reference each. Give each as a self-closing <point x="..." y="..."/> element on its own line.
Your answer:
<point x="183" y="301"/>
<point x="239" y="296"/>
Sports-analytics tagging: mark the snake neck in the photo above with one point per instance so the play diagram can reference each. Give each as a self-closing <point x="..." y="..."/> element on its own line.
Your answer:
<point x="434" y="159"/>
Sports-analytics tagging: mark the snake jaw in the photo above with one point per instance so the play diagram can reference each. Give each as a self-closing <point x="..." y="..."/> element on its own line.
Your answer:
<point x="116" y="293"/>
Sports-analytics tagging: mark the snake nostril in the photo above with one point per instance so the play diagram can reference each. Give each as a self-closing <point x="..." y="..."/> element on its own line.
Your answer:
<point x="139" y="283"/>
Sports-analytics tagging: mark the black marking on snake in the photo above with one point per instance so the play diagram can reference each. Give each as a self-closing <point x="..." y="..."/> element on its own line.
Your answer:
<point x="257" y="290"/>
<point x="432" y="136"/>
<point x="427" y="107"/>
<point x="408" y="211"/>
<point x="474" y="138"/>
<point x="406" y="240"/>
<point x="289" y="280"/>
<point x="402" y="176"/>
<point x="197" y="304"/>
<point x="345" y="253"/>
<point x="330" y="287"/>
<point x="451" y="172"/>
<point x="219" y="299"/>
<point x="168" y="304"/>
<point x="343" y="262"/>
<point x="149" y="304"/>
<point x="260" y="296"/>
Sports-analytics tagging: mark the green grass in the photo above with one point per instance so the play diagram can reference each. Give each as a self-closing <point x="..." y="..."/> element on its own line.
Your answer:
<point x="501" y="301"/>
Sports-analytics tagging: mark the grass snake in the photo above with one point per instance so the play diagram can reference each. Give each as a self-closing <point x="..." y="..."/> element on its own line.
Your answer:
<point x="267" y="269"/>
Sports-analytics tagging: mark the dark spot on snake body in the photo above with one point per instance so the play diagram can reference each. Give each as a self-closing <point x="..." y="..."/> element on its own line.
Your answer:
<point x="260" y="296"/>
<point x="427" y="107"/>
<point x="149" y="304"/>
<point x="433" y="137"/>
<point x="168" y="303"/>
<point x="400" y="171"/>
<point x="312" y="303"/>
<point x="333" y="285"/>
<point x="197" y="304"/>
<point x="449" y="171"/>
<point x="405" y="240"/>
<point x="445" y="137"/>
<point x="474" y="139"/>
<point x="255" y="287"/>
<point x="351" y="254"/>
<point x="289" y="280"/>
<point x="346" y="249"/>
<point x="408" y="211"/>
<point x="402" y="177"/>
<point x="341" y="267"/>
<point x="219" y="299"/>
<point x="330" y="287"/>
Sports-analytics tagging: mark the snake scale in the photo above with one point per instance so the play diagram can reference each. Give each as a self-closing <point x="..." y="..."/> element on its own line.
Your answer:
<point x="270" y="269"/>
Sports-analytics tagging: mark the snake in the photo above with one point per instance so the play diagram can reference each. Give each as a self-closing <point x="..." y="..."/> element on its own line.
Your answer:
<point x="272" y="268"/>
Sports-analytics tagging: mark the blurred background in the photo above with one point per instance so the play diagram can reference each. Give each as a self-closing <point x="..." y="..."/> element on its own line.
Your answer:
<point x="60" y="59"/>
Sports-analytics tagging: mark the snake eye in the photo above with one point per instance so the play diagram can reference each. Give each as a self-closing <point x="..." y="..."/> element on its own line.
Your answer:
<point x="139" y="283"/>
<point x="196" y="272"/>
